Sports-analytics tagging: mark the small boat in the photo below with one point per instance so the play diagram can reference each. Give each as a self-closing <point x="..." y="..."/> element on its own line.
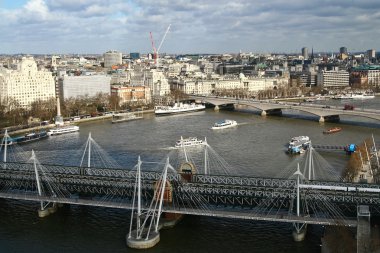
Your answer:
<point x="126" y="116"/>
<point x="332" y="130"/>
<point x="298" y="145"/>
<point x="63" y="130"/>
<point x="191" y="141"/>
<point x="178" y="108"/>
<point x="224" y="124"/>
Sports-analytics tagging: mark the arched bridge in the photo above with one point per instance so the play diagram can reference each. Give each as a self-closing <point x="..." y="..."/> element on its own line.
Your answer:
<point x="324" y="112"/>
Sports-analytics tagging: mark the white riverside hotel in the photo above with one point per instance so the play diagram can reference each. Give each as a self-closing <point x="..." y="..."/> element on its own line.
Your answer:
<point x="75" y="86"/>
<point x="26" y="84"/>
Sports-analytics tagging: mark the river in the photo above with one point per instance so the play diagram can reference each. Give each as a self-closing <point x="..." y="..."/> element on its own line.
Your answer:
<point x="256" y="148"/>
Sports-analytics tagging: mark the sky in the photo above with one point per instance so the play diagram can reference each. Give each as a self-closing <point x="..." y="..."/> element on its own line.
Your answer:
<point x="197" y="26"/>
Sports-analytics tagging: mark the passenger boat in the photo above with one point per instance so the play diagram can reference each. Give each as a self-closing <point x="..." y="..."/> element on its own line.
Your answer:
<point x="362" y="95"/>
<point x="343" y="96"/>
<point x="191" y="141"/>
<point x="224" y="124"/>
<point x="178" y="108"/>
<point x="332" y="130"/>
<point x="28" y="138"/>
<point x="63" y="130"/>
<point x="298" y="145"/>
<point x="126" y="116"/>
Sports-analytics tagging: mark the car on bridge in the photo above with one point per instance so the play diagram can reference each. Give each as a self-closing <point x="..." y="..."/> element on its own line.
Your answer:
<point x="348" y="107"/>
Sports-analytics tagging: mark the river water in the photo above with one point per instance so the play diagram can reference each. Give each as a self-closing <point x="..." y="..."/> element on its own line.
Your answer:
<point x="256" y="148"/>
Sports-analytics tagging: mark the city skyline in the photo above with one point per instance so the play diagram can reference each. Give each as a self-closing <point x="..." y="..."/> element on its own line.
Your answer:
<point x="95" y="26"/>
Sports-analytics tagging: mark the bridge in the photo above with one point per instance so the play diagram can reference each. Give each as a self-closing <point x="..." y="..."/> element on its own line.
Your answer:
<point x="324" y="112"/>
<point x="305" y="197"/>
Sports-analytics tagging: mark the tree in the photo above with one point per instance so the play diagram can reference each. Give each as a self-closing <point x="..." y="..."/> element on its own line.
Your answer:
<point x="114" y="102"/>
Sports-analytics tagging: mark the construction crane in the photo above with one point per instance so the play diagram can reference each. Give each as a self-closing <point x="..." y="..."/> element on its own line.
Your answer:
<point x="157" y="51"/>
<point x="159" y="47"/>
<point x="154" y="49"/>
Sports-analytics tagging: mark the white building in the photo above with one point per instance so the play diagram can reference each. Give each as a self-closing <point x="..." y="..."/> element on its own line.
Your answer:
<point x="157" y="82"/>
<point x="26" y="84"/>
<point x="74" y="86"/>
<point x="333" y="79"/>
<point x="201" y="86"/>
<point x="112" y="58"/>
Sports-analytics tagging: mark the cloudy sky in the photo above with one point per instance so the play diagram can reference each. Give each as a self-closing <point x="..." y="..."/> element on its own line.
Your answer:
<point x="197" y="26"/>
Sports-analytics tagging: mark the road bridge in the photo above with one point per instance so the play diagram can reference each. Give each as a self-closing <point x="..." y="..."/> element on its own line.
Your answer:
<point x="324" y="112"/>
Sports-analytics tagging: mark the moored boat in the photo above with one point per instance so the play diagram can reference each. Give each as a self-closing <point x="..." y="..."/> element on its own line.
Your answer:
<point x="363" y="95"/>
<point x="332" y="130"/>
<point x="178" y="108"/>
<point x="127" y="116"/>
<point x="224" y="124"/>
<point x="28" y="138"/>
<point x="63" y="130"/>
<point x="187" y="142"/>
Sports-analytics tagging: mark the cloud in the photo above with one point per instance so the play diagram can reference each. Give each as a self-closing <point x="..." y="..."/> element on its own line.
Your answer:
<point x="45" y="26"/>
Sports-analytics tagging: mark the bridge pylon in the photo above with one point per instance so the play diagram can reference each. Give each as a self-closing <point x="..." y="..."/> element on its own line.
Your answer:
<point x="44" y="210"/>
<point x="299" y="229"/>
<point x="146" y="234"/>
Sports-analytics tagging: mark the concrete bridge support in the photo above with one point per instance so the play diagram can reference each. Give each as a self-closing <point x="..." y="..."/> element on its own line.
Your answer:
<point x="330" y="118"/>
<point x="276" y="112"/>
<point x="216" y="108"/>
<point x="363" y="233"/>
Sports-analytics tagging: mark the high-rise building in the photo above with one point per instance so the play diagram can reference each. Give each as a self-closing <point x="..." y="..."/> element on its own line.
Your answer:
<point x="134" y="56"/>
<point x="343" y="50"/>
<point x="26" y="84"/>
<point x="371" y="53"/>
<point x="112" y="58"/>
<point x="305" y="53"/>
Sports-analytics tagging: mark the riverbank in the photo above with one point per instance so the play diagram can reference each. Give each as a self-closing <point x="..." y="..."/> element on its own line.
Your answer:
<point x="76" y="122"/>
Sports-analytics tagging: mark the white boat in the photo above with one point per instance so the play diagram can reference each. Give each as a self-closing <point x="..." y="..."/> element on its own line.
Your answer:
<point x="126" y="116"/>
<point x="297" y="145"/>
<point x="63" y="130"/>
<point x="224" y="124"/>
<point x="178" y="108"/>
<point x="365" y="95"/>
<point x="191" y="141"/>
<point x="343" y="96"/>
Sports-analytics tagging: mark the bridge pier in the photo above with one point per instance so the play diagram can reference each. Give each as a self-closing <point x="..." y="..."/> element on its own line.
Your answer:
<point x="216" y="108"/>
<point x="142" y="242"/>
<point x="330" y="118"/>
<point x="263" y="113"/>
<point x="299" y="232"/>
<point x="363" y="233"/>
<point x="42" y="213"/>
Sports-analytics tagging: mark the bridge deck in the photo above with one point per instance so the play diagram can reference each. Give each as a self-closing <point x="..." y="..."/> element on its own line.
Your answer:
<point x="235" y="214"/>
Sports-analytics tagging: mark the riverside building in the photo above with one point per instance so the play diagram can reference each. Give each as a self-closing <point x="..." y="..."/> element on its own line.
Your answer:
<point x="333" y="79"/>
<point x="26" y="84"/>
<point x="128" y="94"/>
<point x="75" y="86"/>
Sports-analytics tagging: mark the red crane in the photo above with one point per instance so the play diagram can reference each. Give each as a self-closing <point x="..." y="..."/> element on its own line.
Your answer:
<point x="154" y="49"/>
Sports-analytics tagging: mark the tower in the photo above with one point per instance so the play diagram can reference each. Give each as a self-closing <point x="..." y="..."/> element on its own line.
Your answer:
<point x="305" y="53"/>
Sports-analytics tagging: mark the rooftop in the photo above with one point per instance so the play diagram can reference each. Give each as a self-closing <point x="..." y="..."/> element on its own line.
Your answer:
<point x="367" y="67"/>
